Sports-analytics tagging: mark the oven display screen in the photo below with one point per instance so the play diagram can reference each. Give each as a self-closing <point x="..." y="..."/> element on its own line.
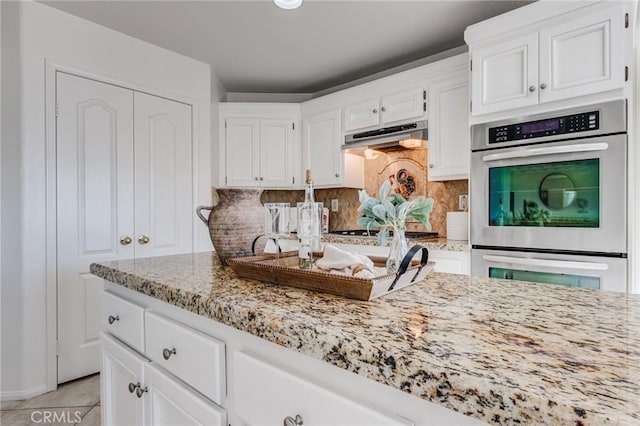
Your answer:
<point x="540" y="126"/>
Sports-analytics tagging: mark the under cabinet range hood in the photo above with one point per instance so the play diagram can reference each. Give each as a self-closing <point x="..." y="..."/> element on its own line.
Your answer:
<point x="393" y="138"/>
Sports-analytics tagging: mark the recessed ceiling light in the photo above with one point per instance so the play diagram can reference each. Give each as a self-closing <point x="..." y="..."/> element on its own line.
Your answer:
<point x="288" y="4"/>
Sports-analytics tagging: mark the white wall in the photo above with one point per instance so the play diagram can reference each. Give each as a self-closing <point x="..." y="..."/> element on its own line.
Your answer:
<point x="46" y="33"/>
<point x="11" y="223"/>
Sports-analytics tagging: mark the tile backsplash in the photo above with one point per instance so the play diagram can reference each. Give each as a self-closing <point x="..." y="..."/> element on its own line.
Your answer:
<point x="408" y="171"/>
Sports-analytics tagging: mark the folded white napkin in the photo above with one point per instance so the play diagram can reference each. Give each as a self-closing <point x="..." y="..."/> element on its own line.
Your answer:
<point x="343" y="262"/>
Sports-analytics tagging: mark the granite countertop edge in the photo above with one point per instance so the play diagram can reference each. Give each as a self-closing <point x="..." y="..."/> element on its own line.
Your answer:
<point x="474" y="395"/>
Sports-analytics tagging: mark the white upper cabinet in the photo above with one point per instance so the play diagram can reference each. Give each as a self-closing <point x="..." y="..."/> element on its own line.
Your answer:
<point x="322" y="142"/>
<point x="403" y="105"/>
<point x="276" y="156"/>
<point x="260" y="151"/>
<point x="582" y="56"/>
<point x="505" y="76"/>
<point x="449" y="129"/>
<point x="323" y="154"/>
<point x="578" y="53"/>
<point x="388" y="109"/>
<point x="362" y="115"/>
<point x="242" y="143"/>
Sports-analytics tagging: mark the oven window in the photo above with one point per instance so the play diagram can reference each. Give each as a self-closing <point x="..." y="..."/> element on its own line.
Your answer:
<point x="559" y="194"/>
<point x="546" y="278"/>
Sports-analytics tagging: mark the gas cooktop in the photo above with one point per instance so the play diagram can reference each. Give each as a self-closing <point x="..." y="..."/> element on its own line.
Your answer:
<point x="374" y="232"/>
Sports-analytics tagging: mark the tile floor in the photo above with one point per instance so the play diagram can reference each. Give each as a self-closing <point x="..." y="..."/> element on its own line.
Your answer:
<point x="73" y="403"/>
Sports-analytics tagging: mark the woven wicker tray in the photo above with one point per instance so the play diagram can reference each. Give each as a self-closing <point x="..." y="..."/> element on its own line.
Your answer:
<point x="286" y="272"/>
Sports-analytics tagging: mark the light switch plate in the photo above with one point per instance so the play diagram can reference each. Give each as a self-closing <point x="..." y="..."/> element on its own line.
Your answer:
<point x="334" y="205"/>
<point x="463" y="201"/>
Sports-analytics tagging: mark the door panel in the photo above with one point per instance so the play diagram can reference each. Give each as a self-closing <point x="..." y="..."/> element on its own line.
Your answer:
<point x="403" y="106"/>
<point x="120" y="367"/>
<point x="276" y="159"/>
<point x="503" y="75"/>
<point x="94" y="207"/>
<point x="173" y="404"/>
<point x="322" y="145"/>
<point x="449" y="130"/>
<point x="242" y="152"/>
<point x="581" y="56"/>
<point x="163" y="179"/>
<point x="362" y="115"/>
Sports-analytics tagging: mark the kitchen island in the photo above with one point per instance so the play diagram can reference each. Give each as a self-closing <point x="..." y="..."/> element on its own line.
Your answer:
<point x="503" y="352"/>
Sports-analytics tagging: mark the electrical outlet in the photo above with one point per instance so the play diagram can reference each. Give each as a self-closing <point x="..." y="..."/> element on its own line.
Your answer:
<point x="463" y="202"/>
<point x="334" y="205"/>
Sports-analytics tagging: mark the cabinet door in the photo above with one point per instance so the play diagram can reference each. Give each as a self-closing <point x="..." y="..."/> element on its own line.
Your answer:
<point x="404" y="105"/>
<point x="322" y="143"/>
<point x="266" y="395"/>
<point x="121" y="368"/>
<point x="361" y="115"/>
<point x="449" y="139"/>
<point x="276" y="153"/>
<point x="163" y="177"/>
<point x="582" y="56"/>
<point x="505" y="76"/>
<point x="170" y="403"/>
<point x="94" y="143"/>
<point x="242" y="151"/>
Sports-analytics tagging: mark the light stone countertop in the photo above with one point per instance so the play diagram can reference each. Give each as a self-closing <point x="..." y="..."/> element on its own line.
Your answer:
<point x="503" y="351"/>
<point x="431" y="243"/>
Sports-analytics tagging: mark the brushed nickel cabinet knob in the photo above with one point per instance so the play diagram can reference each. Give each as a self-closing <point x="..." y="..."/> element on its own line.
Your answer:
<point x="291" y="421"/>
<point x="543" y="86"/>
<point x="166" y="353"/>
<point x="532" y="88"/>
<point x="113" y="319"/>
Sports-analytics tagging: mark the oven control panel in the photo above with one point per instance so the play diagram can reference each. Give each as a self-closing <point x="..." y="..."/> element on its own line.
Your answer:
<point x="575" y="123"/>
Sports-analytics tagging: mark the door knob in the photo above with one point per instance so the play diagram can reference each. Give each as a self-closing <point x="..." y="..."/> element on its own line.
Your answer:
<point x="143" y="239"/>
<point x="532" y="88"/>
<point x="543" y="86"/>
<point x="126" y="240"/>
<point x="113" y="319"/>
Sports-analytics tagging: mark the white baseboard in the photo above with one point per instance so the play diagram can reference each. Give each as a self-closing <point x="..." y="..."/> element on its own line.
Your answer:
<point x="22" y="394"/>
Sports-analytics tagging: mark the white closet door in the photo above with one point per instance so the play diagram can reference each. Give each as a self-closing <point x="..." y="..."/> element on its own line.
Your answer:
<point x="94" y="208"/>
<point x="163" y="177"/>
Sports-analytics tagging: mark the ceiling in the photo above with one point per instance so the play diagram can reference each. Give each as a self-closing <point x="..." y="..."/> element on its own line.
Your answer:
<point x="253" y="46"/>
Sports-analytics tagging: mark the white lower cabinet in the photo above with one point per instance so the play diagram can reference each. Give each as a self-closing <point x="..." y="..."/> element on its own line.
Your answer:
<point x="260" y="383"/>
<point x="122" y="371"/>
<point x="267" y="395"/>
<point x="171" y="403"/>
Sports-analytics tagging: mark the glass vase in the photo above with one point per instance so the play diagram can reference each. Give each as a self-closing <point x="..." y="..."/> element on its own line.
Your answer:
<point x="397" y="251"/>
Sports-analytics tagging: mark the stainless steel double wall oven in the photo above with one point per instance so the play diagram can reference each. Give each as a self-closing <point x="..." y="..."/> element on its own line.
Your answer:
<point x="549" y="197"/>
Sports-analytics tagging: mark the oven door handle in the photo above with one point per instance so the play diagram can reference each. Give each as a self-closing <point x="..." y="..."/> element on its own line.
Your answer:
<point x="533" y="152"/>
<point x="557" y="264"/>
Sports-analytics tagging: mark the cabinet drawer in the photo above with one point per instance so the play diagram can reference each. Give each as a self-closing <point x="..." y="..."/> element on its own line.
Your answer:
<point x="264" y="394"/>
<point x="123" y="319"/>
<point x="194" y="357"/>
